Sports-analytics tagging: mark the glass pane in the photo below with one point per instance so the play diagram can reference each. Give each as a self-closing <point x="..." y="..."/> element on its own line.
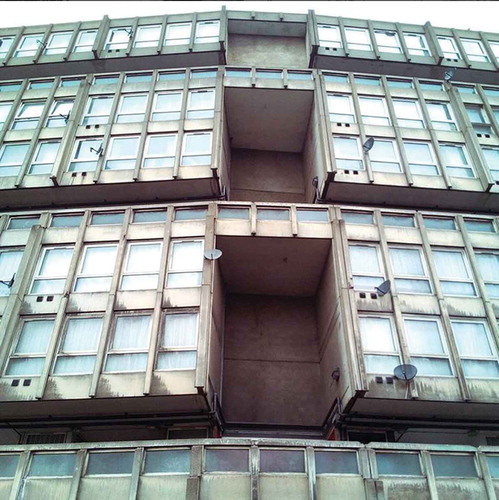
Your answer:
<point x="406" y="262"/>
<point x="357" y="217"/>
<point x="489" y="266"/>
<point x="66" y="220"/>
<point x="453" y="465"/>
<point x="107" y="218"/>
<point x="132" y="332"/>
<point x="176" y="280"/>
<point x="168" y="461"/>
<point x="94" y="284"/>
<point x="381" y="364"/>
<point x="149" y="216"/>
<point x="177" y="360"/>
<point x="282" y="461"/>
<point x="272" y="214"/>
<point x="82" y="334"/>
<point x="187" y="255"/>
<point x="99" y="260"/>
<point x="457" y="288"/>
<point x="8" y="465"/>
<point x="432" y="366"/>
<point x="227" y="460"/>
<point x="35" y="337"/>
<point x="126" y="362"/>
<point x="52" y="464"/>
<point x="143" y="257"/>
<point x="479" y="368"/>
<point x="376" y="334"/>
<point x="400" y="464"/>
<point x="191" y="213"/>
<point x="398" y="220"/>
<point x="439" y="223"/>
<point x="423" y="337"/>
<point x="312" y="215"/>
<point x="471" y="338"/>
<point x="110" y="463"/>
<point x="180" y="330"/>
<point x="493" y="461"/>
<point x="412" y="286"/>
<point x="485" y="226"/>
<point x="233" y="213"/>
<point x="450" y="264"/>
<point x="364" y="259"/>
<point x="337" y="462"/>
<point x="74" y="365"/>
<point x="25" y="367"/>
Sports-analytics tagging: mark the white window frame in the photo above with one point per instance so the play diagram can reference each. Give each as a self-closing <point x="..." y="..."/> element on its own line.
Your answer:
<point x="91" y="117"/>
<point x="164" y="349"/>
<point x="196" y="157"/>
<point x="183" y="40"/>
<point x="150" y="40"/>
<point x="489" y="161"/>
<point x="386" y="164"/>
<point x="130" y="116"/>
<point x="491" y="285"/>
<point x="475" y="50"/>
<point x="12" y="168"/>
<point x="20" y="52"/>
<point x="156" y="110"/>
<point x="6" y="45"/>
<point x="358" y="45"/>
<point x="424" y="277"/>
<point x="413" y="166"/>
<point x="379" y="117"/>
<point x="382" y="37"/>
<point x="85" y="47"/>
<point x="332" y="36"/>
<point x="8" y="270"/>
<point x="199" y="37"/>
<point x="375" y="277"/>
<point x="411" y="119"/>
<point x="168" y="160"/>
<point x="459" y="168"/>
<point x="482" y="126"/>
<point x="60" y="276"/>
<point x="448" y="47"/>
<point x="26" y="119"/>
<point x="456" y="279"/>
<point x="82" y="275"/>
<point x="123" y="34"/>
<point x="205" y="111"/>
<point x="45" y="167"/>
<point x="352" y="162"/>
<point x="55" y="117"/>
<point x="417" y="49"/>
<point x="173" y="271"/>
<point x="84" y="163"/>
<point x="334" y="117"/>
<point x="448" y="123"/>
<point x="60" y="40"/>
<point x="147" y="271"/>
<point x="119" y="161"/>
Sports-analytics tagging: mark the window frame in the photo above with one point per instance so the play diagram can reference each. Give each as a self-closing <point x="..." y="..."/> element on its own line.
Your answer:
<point x="357" y="161"/>
<point x="18" y="164"/>
<point x="116" y="32"/>
<point x="82" y="47"/>
<point x="130" y="274"/>
<point x="127" y="116"/>
<point x="329" y="42"/>
<point x="88" y="276"/>
<point x="452" y="279"/>
<point x="425" y="277"/>
<point x="197" y="155"/>
<point x="58" y="49"/>
<point x="61" y="276"/>
<point x="173" y="271"/>
<point x="423" y="49"/>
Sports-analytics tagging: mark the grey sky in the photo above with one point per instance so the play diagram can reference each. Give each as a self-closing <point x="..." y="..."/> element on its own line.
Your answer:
<point x="475" y="15"/>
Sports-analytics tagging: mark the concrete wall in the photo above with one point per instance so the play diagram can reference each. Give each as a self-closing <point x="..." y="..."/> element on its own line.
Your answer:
<point x="272" y="371"/>
<point x="266" y="176"/>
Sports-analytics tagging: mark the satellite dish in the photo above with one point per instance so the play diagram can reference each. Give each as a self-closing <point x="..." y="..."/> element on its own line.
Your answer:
<point x="449" y="74"/>
<point x="384" y="288"/>
<point x="405" y="372"/>
<point x="367" y="146"/>
<point x="213" y="254"/>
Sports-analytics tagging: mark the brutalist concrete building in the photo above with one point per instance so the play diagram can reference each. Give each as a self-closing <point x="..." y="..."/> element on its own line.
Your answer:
<point x="249" y="256"/>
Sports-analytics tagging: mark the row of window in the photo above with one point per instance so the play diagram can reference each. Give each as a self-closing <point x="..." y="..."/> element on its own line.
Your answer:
<point x="389" y="41"/>
<point x="177" y="461"/>
<point x="410" y="270"/>
<point x="428" y="347"/>
<point x="127" y="346"/>
<point x="420" y="156"/>
<point x="117" y="38"/>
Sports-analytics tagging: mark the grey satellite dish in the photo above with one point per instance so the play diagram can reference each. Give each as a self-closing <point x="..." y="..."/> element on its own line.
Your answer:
<point x="384" y="288"/>
<point x="213" y="254"/>
<point x="405" y="372"/>
<point x="367" y="146"/>
<point x="449" y="74"/>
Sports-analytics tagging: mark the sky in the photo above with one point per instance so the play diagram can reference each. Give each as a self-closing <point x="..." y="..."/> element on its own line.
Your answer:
<point x="474" y="15"/>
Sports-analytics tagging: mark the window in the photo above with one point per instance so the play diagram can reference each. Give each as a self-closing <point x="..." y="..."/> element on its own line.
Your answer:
<point x="275" y="74"/>
<point x="474" y="50"/>
<point x="178" y="34"/>
<point x="448" y="46"/>
<point x="433" y="86"/>
<point x="272" y="214"/>
<point x="190" y="213"/>
<point x="408" y="113"/>
<point x="159" y="151"/>
<point x="420" y="158"/>
<point x="233" y="213"/>
<point x="132" y="108"/>
<point x="335" y="77"/>
<point x="238" y="72"/>
<point x="146" y="216"/>
<point x="441" y="116"/>
<point x="205" y="73"/>
<point x="96" y="269"/>
<point x="78" y="349"/>
<point x="427" y="347"/>
<point x="491" y="156"/>
<point x="347" y="153"/>
<point x="488" y="265"/>
<point x="178" y="342"/>
<point x="201" y="104"/>
<point x="185" y="264"/>
<point x="366" y="267"/>
<point x="207" y="31"/>
<point x="28" y="355"/>
<point x="147" y="36"/>
<point x="340" y="108"/>
<point x="66" y="220"/>
<point x="57" y="43"/>
<point x="336" y="462"/>
<point x="106" y="80"/>
<point x="398" y="83"/>
<point x="480" y="225"/>
<point x="118" y="38"/>
<point x="478" y="119"/>
<point x="52" y="464"/>
<point x="388" y="41"/>
<point x="466" y="89"/>
<point x="166" y="106"/>
<point x="167" y="461"/>
<point x="130" y="344"/>
<point x="5" y="108"/>
<point x="456" y="161"/>
<point x="474" y="344"/>
<point x="28" y="115"/>
<point x="453" y="465"/>
<point x="299" y="75"/>
<point x="86" y="153"/>
<point x="357" y="217"/>
<point x="29" y="45"/>
<point x="379" y="344"/>
<point x="398" y="464"/>
<point x="138" y="77"/>
<point x="12" y="157"/>
<point x="141" y="266"/>
<point x="98" y="109"/>
<point x="52" y="270"/>
<point x="226" y="460"/>
<point x="196" y="149"/>
<point x="23" y="222"/>
<point x="398" y="220"/>
<point x="416" y="44"/>
<point x="122" y="153"/>
<point x="44" y="158"/>
<point x="276" y="461"/>
<point x="85" y="41"/>
<point x="107" y="218"/>
<point x="384" y="156"/>
<point x="304" y="215"/>
<point x="109" y="463"/>
<point x="329" y="36"/>
<point x="71" y="82"/>
<point x="445" y="223"/>
<point x="358" y="39"/>
<point x="453" y="272"/>
<point x="374" y="111"/>
<point x="8" y="465"/>
<point x="5" y="45"/>
<point x="40" y="84"/>
<point x="9" y="264"/>
<point x="60" y="112"/>
<point x="491" y="91"/>
<point x="409" y="270"/>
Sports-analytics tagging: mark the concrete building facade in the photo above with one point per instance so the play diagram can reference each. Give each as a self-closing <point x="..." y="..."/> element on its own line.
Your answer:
<point x="200" y="218"/>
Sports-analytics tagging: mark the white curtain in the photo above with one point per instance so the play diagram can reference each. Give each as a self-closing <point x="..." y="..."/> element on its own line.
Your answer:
<point x="99" y="260"/>
<point x="35" y="337"/>
<point x="56" y="262"/>
<point x="450" y="264"/>
<point x="471" y="338"/>
<point x="364" y="259"/>
<point x="180" y="330"/>
<point x="377" y="334"/>
<point x="187" y="255"/>
<point x="133" y="362"/>
<point x="82" y="335"/>
<point x="143" y="258"/>
<point x="177" y="360"/>
<point x="68" y="365"/>
<point x="406" y="262"/>
<point x="132" y="332"/>
<point x="423" y="337"/>
<point x="489" y="266"/>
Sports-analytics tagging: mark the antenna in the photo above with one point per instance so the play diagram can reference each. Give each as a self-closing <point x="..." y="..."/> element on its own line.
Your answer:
<point x="9" y="283"/>
<point x="384" y="288"/>
<point x="98" y="151"/>
<point x="213" y="254"/>
<point x="66" y="118"/>
<point x="405" y="372"/>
